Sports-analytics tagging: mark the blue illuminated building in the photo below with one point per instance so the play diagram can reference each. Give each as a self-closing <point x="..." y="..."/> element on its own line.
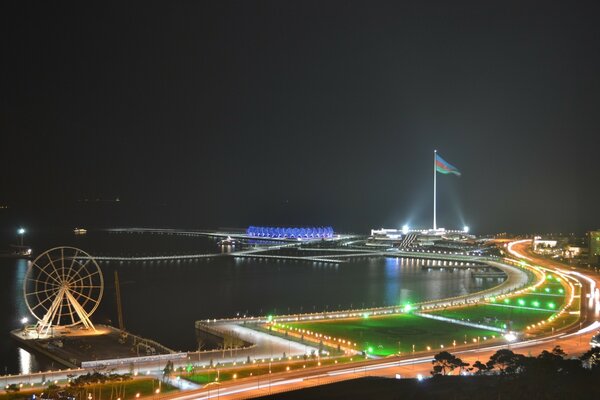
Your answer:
<point x="321" y="232"/>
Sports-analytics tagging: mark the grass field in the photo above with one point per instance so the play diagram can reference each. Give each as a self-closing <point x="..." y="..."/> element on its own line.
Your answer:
<point x="514" y="313"/>
<point x="499" y="316"/>
<point x="387" y="335"/>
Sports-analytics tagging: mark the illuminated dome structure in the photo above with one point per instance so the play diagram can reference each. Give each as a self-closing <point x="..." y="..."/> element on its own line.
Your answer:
<point x="321" y="232"/>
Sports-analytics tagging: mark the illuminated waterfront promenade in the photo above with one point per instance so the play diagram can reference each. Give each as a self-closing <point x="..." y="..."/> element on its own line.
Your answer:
<point x="259" y="252"/>
<point x="266" y="347"/>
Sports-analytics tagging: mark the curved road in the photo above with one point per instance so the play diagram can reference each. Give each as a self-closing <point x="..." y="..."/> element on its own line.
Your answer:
<point x="574" y="341"/>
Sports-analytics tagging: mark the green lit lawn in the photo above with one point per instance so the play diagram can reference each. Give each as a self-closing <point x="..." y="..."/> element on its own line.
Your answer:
<point x="535" y="300"/>
<point x="516" y="312"/>
<point x="497" y="316"/>
<point x="382" y="334"/>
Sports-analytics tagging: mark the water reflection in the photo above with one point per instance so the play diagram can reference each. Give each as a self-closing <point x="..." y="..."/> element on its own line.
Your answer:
<point x="392" y="275"/>
<point x="24" y="361"/>
<point x="21" y="306"/>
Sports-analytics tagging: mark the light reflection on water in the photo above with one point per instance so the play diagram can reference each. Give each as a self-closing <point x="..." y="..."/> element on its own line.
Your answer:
<point x="25" y="362"/>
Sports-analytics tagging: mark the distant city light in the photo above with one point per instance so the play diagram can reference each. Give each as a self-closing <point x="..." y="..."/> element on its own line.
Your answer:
<point x="466" y="229"/>
<point x="419" y="377"/>
<point x="405" y="229"/>
<point x="24" y="320"/>
<point x="21" y="231"/>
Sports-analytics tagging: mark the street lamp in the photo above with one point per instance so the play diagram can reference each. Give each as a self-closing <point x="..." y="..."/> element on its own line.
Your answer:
<point x="21" y="233"/>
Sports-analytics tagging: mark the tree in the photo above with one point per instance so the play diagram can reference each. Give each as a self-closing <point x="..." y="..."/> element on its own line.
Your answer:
<point x="506" y="361"/>
<point x="480" y="367"/>
<point x="591" y="358"/>
<point x="445" y="362"/>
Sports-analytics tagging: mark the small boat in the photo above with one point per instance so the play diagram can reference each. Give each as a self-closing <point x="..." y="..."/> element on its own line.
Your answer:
<point x="227" y="242"/>
<point x="79" y="231"/>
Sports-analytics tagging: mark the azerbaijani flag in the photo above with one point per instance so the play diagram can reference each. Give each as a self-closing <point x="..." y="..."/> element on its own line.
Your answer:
<point x="443" y="167"/>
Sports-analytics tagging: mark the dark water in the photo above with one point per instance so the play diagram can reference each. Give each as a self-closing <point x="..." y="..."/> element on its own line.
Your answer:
<point x="161" y="300"/>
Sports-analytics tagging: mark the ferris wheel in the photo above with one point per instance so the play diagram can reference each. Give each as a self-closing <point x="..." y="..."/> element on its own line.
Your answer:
<point x="63" y="287"/>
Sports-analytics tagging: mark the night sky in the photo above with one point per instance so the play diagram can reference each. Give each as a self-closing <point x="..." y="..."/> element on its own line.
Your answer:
<point x="221" y="113"/>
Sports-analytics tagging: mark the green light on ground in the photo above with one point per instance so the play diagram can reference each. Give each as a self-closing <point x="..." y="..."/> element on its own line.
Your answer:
<point x="365" y="315"/>
<point x="561" y="291"/>
<point x="270" y="318"/>
<point x="521" y="302"/>
<point x="551" y="305"/>
<point x="407" y="308"/>
<point x="536" y="303"/>
<point x="370" y="349"/>
<point x="493" y="299"/>
<point x="506" y="301"/>
<point x="547" y="290"/>
<point x="549" y="277"/>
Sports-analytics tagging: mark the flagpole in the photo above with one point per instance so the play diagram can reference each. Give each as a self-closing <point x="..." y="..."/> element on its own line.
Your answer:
<point x="434" y="189"/>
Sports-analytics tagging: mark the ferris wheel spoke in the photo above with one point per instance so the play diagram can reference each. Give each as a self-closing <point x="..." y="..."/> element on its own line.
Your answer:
<point x="41" y="291"/>
<point x="42" y="303"/>
<point x="53" y="266"/>
<point x="46" y="272"/>
<point x="73" y="260"/>
<point x="81" y="279"/>
<point x="82" y="286"/>
<point x="37" y="284"/>
<point x="81" y="267"/>
<point x="79" y="294"/>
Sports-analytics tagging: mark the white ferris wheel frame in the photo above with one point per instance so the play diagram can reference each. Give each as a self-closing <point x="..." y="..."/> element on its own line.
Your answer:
<point x="63" y="286"/>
